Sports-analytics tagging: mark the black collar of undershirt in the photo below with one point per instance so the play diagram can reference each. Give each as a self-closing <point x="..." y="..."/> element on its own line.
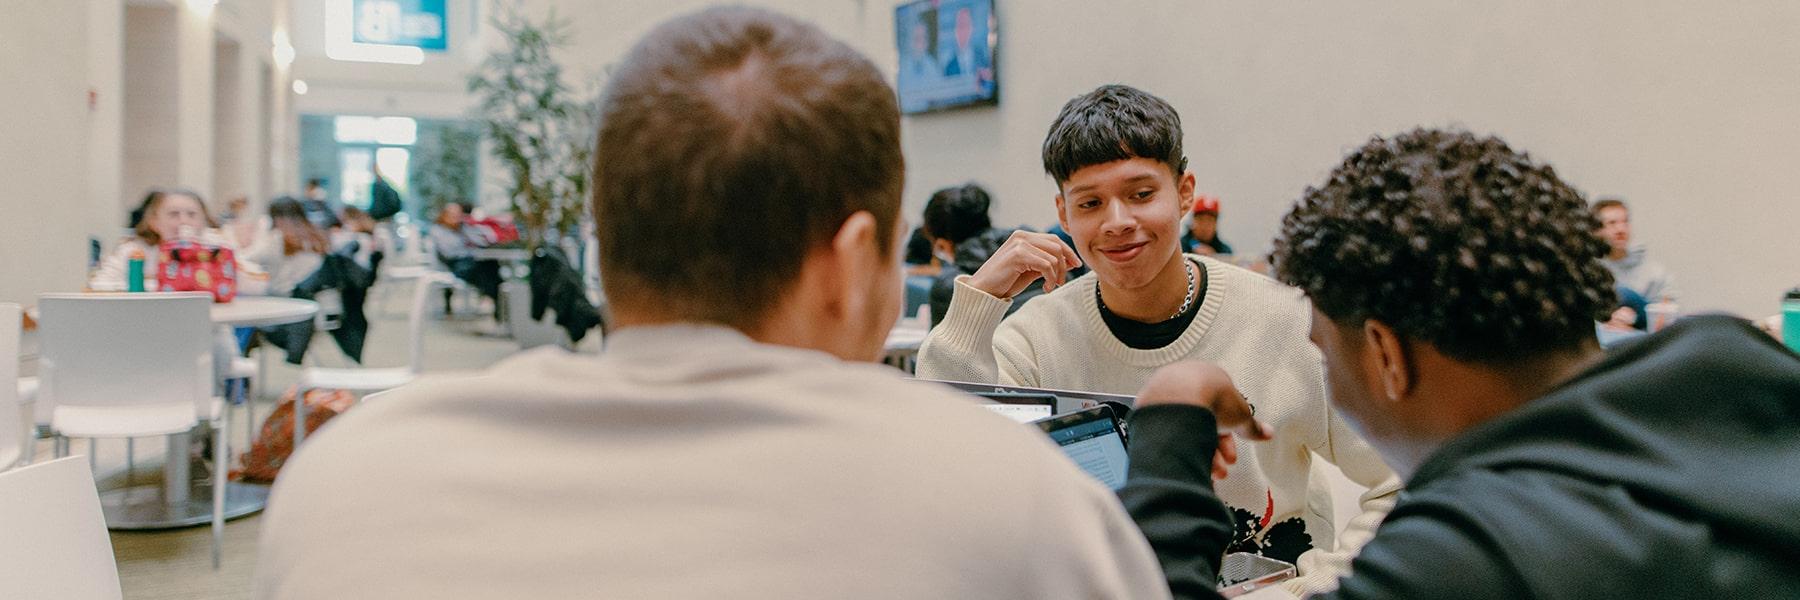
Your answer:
<point x="1150" y="336"/>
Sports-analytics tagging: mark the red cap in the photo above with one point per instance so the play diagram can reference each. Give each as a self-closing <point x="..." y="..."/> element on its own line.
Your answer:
<point x="1206" y="204"/>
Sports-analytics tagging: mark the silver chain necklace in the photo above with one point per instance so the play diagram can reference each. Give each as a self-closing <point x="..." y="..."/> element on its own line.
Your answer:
<point x="1186" y="301"/>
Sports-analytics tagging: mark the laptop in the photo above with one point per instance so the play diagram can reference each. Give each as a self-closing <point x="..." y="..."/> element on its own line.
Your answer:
<point x="1067" y="401"/>
<point x="1094" y="439"/>
<point x="1020" y="407"/>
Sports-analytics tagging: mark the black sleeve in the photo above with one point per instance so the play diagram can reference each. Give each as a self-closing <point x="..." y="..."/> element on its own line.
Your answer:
<point x="943" y="288"/>
<point x="1169" y="493"/>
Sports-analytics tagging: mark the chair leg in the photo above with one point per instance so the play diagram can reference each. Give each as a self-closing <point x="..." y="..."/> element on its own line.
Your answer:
<point x="130" y="459"/>
<point x="93" y="463"/>
<point x="299" y="417"/>
<point x="57" y="447"/>
<point x="220" y="479"/>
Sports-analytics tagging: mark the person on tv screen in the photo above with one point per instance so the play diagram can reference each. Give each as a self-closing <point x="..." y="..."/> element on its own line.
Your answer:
<point x="968" y="57"/>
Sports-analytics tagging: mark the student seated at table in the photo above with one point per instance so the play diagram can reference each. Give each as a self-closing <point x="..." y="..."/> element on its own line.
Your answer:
<point x="735" y="439"/>
<point x="359" y="229"/>
<point x="1202" y="231"/>
<point x="166" y="213"/>
<point x="962" y="238"/>
<point x="1639" y="279"/>
<point x="292" y="250"/>
<point x="1115" y="156"/>
<point x="1455" y="282"/>
<point x="455" y="243"/>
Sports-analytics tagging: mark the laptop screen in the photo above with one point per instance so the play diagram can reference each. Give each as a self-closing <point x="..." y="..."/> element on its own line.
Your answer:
<point x="1020" y="407"/>
<point x="1092" y="439"/>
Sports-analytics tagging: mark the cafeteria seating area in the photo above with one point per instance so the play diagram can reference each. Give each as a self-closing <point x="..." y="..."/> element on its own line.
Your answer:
<point x="173" y="563"/>
<point x="1050" y="299"/>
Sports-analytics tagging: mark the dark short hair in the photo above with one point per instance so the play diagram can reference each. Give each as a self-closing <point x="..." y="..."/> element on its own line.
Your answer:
<point x="1452" y="239"/>
<point x="1608" y="202"/>
<point x="733" y="142"/>
<point x="1113" y="123"/>
<point x="958" y="213"/>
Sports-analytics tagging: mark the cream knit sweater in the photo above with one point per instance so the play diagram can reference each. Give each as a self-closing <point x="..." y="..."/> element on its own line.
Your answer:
<point x="1250" y="325"/>
<point x="689" y="461"/>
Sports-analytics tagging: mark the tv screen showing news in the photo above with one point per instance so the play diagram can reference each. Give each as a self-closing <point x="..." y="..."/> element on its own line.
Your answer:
<point x="946" y="54"/>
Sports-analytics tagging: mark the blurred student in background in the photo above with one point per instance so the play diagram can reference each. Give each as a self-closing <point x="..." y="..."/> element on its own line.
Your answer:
<point x="1640" y="281"/>
<point x="1202" y="236"/>
<point x="166" y="215"/>
<point x="962" y="238"/>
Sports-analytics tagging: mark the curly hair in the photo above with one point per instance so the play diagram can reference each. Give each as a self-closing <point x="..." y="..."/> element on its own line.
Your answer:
<point x="1452" y="239"/>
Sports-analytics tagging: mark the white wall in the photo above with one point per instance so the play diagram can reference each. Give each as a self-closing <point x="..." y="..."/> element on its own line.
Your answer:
<point x="98" y="107"/>
<point x="1685" y="109"/>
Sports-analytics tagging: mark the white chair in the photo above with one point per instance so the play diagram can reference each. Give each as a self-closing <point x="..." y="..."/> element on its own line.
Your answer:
<point x="373" y="379"/>
<point x="57" y="542"/>
<point x="135" y="365"/>
<point x="12" y="431"/>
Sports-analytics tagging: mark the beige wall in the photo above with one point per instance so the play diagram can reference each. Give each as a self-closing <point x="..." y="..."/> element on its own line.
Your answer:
<point x="1685" y="109"/>
<point x="73" y="165"/>
<point x="1688" y="110"/>
<point x="43" y="158"/>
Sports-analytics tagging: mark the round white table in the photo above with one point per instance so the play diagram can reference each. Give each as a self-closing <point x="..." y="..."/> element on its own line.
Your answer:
<point x="181" y="500"/>
<point x="263" y="311"/>
<point x="516" y="255"/>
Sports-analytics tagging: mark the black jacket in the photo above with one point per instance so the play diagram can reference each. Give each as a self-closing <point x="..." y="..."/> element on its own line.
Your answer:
<point x="556" y="285"/>
<point x="1671" y="469"/>
<point x="970" y="255"/>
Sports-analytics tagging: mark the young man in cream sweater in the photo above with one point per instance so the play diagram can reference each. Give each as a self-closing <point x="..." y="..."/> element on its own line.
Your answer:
<point x="734" y="440"/>
<point x="1123" y="185"/>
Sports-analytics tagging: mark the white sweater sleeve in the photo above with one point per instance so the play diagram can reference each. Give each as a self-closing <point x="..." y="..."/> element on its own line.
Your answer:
<point x="1361" y="464"/>
<point x="961" y="348"/>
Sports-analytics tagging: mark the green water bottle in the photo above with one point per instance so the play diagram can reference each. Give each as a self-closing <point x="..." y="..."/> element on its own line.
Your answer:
<point x="1790" y="319"/>
<point x="134" y="272"/>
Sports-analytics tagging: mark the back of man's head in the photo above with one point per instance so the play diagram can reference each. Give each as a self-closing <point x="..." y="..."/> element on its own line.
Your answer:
<point x="733" y="142"/>
<point x="1451" y="239"/>
<point x="1112" y="123"/>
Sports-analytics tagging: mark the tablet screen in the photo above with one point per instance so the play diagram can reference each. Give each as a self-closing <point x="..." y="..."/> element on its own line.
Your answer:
<point x="1092" y="439"/>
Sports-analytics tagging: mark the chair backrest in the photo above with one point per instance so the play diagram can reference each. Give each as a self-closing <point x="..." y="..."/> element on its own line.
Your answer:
<point x="57" y="545"/>
<point x="126" y="349"/>
<point x="12" y="431"/>
<point x="415" y="322"/>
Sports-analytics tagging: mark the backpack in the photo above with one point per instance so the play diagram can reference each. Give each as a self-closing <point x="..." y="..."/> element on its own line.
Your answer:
<point x="276" y="441"/>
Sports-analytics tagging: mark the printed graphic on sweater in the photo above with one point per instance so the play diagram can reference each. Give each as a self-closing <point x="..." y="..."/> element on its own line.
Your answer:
<point x="1284" y="541"/>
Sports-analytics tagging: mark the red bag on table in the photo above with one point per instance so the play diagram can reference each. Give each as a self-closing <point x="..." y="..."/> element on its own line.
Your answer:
<point x="494" y="232"/>
<point x="188" y="266"/>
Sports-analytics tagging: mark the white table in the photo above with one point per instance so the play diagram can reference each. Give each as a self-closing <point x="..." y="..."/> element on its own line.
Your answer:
<point x="902" y="346"/>
<point x="263" y="311"/>
<point x="181" y="501"/>
<point x="513" y="255"/>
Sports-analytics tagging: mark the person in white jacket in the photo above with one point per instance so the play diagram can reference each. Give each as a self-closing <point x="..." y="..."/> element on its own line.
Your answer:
<point x="167" y="213"/>
<point x="734" y="440"/>
<point x="1123" y="187"/>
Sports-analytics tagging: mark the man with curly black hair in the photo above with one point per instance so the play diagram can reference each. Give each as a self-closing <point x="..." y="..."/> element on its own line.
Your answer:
<point x="1455" y="283"/>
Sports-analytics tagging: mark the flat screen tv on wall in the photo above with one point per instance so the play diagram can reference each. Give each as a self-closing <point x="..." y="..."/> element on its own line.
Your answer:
<point x="947" y="50"/>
